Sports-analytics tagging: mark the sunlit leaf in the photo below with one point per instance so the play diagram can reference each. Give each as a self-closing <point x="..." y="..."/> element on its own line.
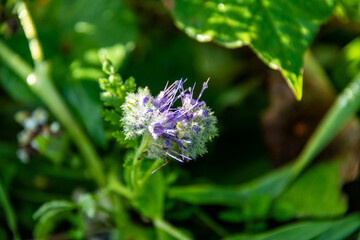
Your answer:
<point x="279" y="32"/>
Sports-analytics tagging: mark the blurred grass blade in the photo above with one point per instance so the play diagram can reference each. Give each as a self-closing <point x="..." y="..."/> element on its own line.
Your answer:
<point x="9" y="212"/>
<point x="342" y="229"/>
<point x="320" y="230"/>
<point x="171" y="230"/>
<point x="345" y="106"/>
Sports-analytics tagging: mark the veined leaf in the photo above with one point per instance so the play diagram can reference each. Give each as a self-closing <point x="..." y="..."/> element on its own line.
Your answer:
<point x="278" y="31"/>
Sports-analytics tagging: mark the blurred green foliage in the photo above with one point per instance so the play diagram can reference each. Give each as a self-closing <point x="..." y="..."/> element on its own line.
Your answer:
<point x="233" y="192"/>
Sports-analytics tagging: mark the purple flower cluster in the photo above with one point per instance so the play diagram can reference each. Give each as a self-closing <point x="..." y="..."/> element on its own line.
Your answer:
<point x="178" y="132"/>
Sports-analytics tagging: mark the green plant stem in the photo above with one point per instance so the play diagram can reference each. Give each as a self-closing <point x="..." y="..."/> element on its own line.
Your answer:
<point x="41" y="84"/>
<point x="15" y="62"/>
<point x="30" y="31"/>
<point x="116" y="186"/>
<point x="137" y="162"/>
<point x="46" y="90"/>
<point x="170" y="229"/>
<point x="151" y="169"/>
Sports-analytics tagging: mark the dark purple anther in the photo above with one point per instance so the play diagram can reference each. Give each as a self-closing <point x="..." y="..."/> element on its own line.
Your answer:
<point x="168" y="142"/>
<point x="155" y="103"/>
<point x="163" y="100"/>
<point x="204" y="113"/>
<point x="205" y="86"/>
<point x="156" y="129"/>
<point x="196" y="129"/>
<point x="189" y="116"/>
<point x="171" y="125"/>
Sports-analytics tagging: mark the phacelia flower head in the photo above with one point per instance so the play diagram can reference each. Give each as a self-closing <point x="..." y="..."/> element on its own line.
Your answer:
<point x="179" y="132"/>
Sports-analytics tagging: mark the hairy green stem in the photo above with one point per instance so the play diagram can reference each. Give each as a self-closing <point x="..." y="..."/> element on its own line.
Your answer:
<point x="170" y="229"/>
<point x="137" y="161"/>
<point x="41" y="84"/>
<point x="116" y="186"/>
<point x="150" y="171"/>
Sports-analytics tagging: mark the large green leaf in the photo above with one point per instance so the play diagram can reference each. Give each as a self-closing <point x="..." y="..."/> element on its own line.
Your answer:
<point x="329" y="229"/>
<point x="151" y="199"/>
<point x="321" y="193"/>
<point x="278" y="31"/>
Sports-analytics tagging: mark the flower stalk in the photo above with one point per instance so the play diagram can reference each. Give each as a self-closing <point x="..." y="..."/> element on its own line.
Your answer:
<point x="137" y="162"/>
<point x="40" y="82"/>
